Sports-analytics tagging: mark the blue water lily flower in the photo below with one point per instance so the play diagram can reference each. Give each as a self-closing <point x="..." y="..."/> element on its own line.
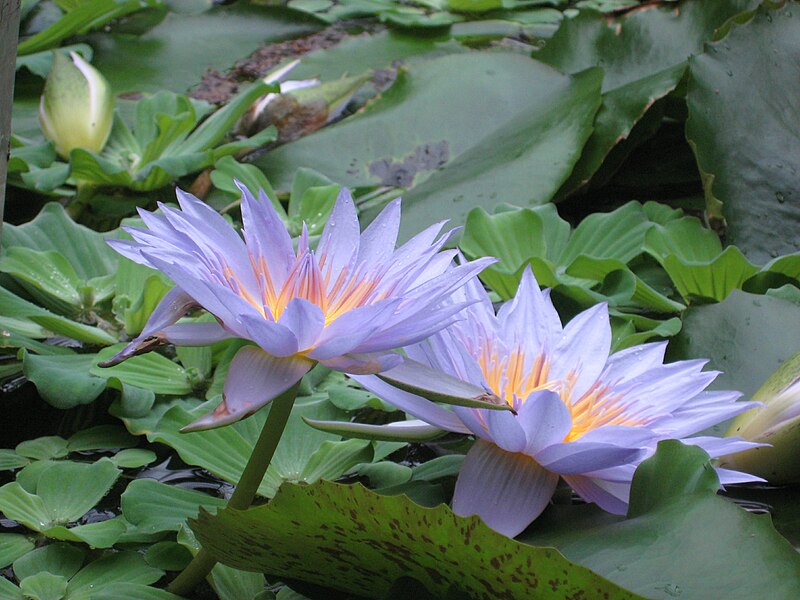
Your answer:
<point x="346" y="304"/>
<point x="578" y="413"/>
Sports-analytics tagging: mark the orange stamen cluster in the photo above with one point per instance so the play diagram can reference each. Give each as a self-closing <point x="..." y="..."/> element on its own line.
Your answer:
<point x="513" y="378"/>
<point x="309" y="280"/>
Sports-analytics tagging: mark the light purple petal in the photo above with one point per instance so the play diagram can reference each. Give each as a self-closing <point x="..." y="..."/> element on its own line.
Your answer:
<point x="716" y="446"/>
<point x="196" y="334"/>
<point x="272" y="337"/>
<point x="363" y="364"/>
<point x="621" y="435"/>
<point x="505" y="430"/>
<point x="583" y="349"/>
<point x="632" y="362"/>
<point x="378" y="240"/>
<point x="172" y="307"/>
<point x="338" y="244"/>
<point x="266" y="235"/>
<point x="545" y="419"/>
<point x="728" y="476"/>
<point x="572" y="458"/>
<point x="507" y="490"/>
<point x="254" y="379"/>
<point x="529" y="320"/>
<point x="305" y="320"/>
<point x="348" y="332"/>
<point x="413" y="405"/>
<point x="611" y="497"/>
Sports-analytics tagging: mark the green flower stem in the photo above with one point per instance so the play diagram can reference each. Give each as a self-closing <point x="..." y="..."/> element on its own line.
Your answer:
<point x="246" y="489"/>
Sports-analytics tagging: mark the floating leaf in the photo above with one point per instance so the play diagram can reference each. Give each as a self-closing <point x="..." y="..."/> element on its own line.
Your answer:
<point x="312" y="533"/>
<point x="754" y="192"/>
<point x="680" y="538"/>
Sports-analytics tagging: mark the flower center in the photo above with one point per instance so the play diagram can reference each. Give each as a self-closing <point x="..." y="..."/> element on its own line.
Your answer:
<point x="308" y="279"/>
<point x="513" y="377"/>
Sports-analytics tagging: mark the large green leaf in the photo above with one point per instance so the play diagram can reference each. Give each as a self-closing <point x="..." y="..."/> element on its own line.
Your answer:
<point x="643" y="55"/>
<point x="747" y="337"/>
<point x="150" y="371"/>
<point x="680" y="539"/>
<point x="154" y="507"/>
<point x="360" y="542"/>
<point x="429" y="132"/>
<point x="169" y="57"/>
<point x="746" y="147"/>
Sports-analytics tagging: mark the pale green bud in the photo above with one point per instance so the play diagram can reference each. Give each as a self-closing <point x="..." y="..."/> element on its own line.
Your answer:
<point x="776" y="423"/>
<point x="76" y="109"/>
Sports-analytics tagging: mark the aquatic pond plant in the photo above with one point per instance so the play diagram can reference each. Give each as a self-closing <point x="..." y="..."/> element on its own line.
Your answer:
<point x="516" y="382"/>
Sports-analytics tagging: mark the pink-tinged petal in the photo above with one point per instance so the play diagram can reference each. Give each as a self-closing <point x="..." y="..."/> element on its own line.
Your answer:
<point x="272" y="337"/>
<point x="347" y="333"/>
<point x="413" y="405"/>
<point x="196" y="334"/>
<point x="338" y="244"/>
<point x="378" y="240"/>
<point x="583" y="349"/>
<point x="575" y="458"/>
<point x="254" y="379"/>
<point x="266" y="235"/>
<point x="172" y="307"/>
<point x="545" y="419"/>
<point x="363" y="364"/>
<point x="305" y="320"/>
<point x="728" y="476"/>
<point x="611" y="497"/>
<point x="505" y="430"/>
<point x="506" y="489"/>
<point x="529" y="320"/>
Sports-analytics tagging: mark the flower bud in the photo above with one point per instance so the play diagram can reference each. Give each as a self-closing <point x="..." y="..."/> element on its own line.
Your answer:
<point x="777" y="423"/>
<point x="76" y="109"/>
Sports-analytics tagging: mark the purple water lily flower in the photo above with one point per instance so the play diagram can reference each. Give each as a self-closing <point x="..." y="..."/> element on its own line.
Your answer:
<point x="578" y="413"/>
<point x="346" y="304"/>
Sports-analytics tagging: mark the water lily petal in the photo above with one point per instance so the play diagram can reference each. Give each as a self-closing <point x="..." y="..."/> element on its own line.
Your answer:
<point x="545" y="419"/>
<point x="505" y="430"/>
<point x="196" y="334"/>
<point x="611" y="497"/>
<point x="506" y="489"/>
<point x="254" y="379"/>
<point x="363" y="364"/>
<point x="632" y="362"/>
<point x="379" y="238"/>
<point x="530" y="318"/>
<point x="339" y="241"/>
<point x="728" y="476"/>
<point x="272" y="337"/>
<point x="305" y="320"/>
<point x="349" y="331"/>
<point x="413" y="405"/>
<point x="175" y="304"/>
<point x="583" y="349"/>
<point x="572" y="458"/>
<point x="621" y="435"/>
<point x="266" y="236"/>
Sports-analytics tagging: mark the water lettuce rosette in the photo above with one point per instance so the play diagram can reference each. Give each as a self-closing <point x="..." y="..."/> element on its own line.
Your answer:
<point x="346" y="304"/>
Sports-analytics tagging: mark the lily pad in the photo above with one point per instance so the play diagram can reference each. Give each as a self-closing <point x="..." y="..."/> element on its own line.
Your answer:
<point x="753" y="191"/>
<point x="643" y="56"/>
<point x="429" y="133"/>
<point x="360" y="542"/>
<point x="680" y="538"/>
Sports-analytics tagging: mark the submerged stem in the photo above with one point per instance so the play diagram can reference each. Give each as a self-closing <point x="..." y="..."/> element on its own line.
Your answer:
<point x="247" y="487"/>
